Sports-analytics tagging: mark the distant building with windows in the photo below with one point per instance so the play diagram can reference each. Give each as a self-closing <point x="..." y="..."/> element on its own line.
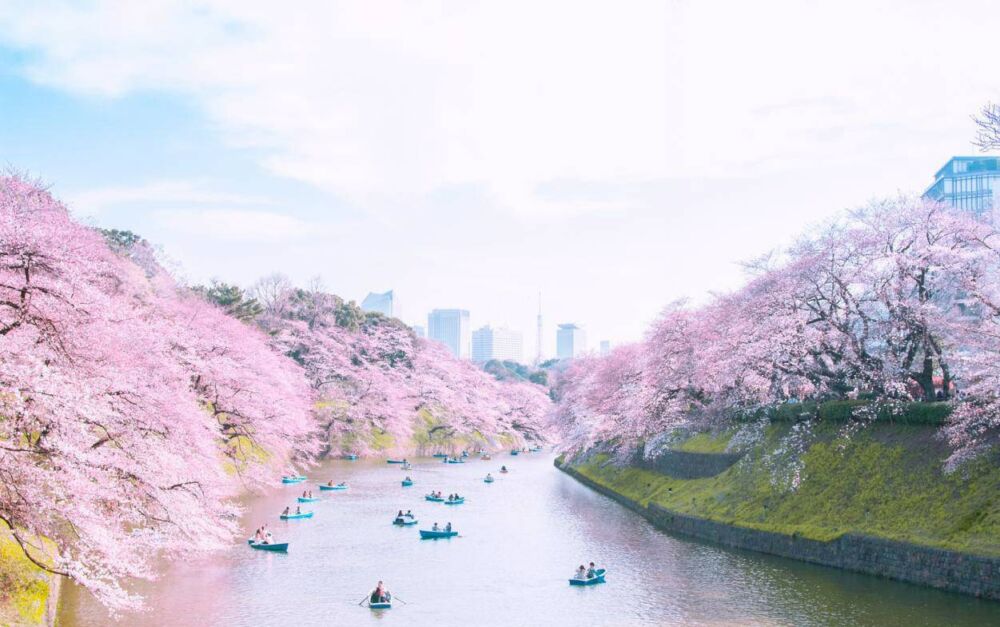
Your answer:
<point x="419" y="330"/>
<point x="451" y="327"/>
<point x="969" y="183"/>
<point x="496" y="343"/>
<point x="571" y="341"/>
<point x="384" y="304"/>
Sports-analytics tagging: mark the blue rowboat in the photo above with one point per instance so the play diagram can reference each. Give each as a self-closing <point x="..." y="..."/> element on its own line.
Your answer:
<point x="405" y="521"/>
<point x="385" y="605"/>
<point x="455" y="461"/>
<point x="455" y="502"/>
<point x="515" y="452"/>
<point x="406" y="483"/>
<point x="597" y="578"/>
<point x="433" y="535"/>
<point x="489" y="480"/>
<point x="308" y="499"/>
<point x="351" y="457"/>
<point x="395" y="461"/>
<point x="296" y="516"/>
<point x="439" y="455"/>
<point x="433" y="499"/>
<point x="342" y="486"/>
<point x="279" y="548"/>
<point x="298" y="479"/>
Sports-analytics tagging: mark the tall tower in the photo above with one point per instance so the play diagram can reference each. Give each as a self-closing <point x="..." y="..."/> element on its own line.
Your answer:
<point x="538" y="333"/>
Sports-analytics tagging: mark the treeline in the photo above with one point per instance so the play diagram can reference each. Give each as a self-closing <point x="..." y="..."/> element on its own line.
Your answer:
<point x="133" y="409"/>
<point x="895" y="303"/>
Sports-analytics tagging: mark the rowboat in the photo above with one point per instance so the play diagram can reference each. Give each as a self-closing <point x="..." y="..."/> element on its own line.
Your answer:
<point x="405" y="521"/>
<point x="351" y="457"/>
<point x="439" y="455"/>
<point x="296" y="516"/>
<point x="308" y="499"/>
<point x="280" y="548"/>
<point x="455" y="461"/>
<point x="455" y="501"/>
<point x="407" y="483"/>
<point x="298" y="479"/>
<point x="342" y="486"/>
<point x="433" y="535"/>
<point x="433" y="499"/>
<point x="515" y="452"/>
<point x="395" y="461"/>
<point x="489" y="480"/>
<point x="385" y="605"/>
<point x="597" y="578"/>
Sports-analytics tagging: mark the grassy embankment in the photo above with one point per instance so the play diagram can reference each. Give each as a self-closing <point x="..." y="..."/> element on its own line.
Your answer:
<point x="429" y="434"/>
<point x="24" y="588"/>
<point x="885" y="480"/>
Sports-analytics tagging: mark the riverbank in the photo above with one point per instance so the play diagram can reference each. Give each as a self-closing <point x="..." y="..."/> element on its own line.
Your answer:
<point x="878" y="502"/>
<point x="28" y="595"/>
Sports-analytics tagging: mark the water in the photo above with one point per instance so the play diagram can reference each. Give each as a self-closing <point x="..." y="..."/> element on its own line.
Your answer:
<point x="520" y="540"/>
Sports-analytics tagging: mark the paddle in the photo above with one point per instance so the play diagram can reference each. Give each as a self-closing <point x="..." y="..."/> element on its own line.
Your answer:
<point x="363" y="600"/>
<point x="395" y="598"/>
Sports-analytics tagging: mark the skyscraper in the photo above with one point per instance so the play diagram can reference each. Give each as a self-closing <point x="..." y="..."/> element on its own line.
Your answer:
<point x="571" y="341"/>
<point x="384" y="303"/>
<point x="419" y="330"/>
<point x="969" y="183"/>
<point x="451" y="326"/>
<point x="496" y="343"/>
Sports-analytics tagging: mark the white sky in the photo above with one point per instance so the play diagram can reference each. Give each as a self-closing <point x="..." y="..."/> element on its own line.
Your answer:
<point x="614" y="155"/>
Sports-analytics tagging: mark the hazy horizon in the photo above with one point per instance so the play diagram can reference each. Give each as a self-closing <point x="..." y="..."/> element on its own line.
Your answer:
<point x="614" y="158"/>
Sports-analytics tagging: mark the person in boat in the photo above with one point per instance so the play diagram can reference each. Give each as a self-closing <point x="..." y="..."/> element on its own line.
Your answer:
<point x="305" y="494"/>
<point x="379" y="594"/>
<point x="503" y="469"/>
<point x="310" y="493"/>
<point x="287" y="511"/>
<point x="489" y="476"/>
<point x="409" y="514"/>
<point x="435" y="527"/>
<point x="407" y="478"/>
<point x="330" y="483"/>
<point x="342" y="483"/>
<point x="298" y="510"/>
<point x="258" y="535"/>
<point x="447" y="527"/>
<point x="592" y="571"/>
<point x="581" y="573"/>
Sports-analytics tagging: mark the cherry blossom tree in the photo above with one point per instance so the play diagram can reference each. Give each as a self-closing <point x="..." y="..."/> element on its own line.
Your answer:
<point x="131" y="411"/>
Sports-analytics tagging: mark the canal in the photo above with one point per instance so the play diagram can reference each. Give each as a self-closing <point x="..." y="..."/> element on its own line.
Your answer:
<point x="520" y="540"/>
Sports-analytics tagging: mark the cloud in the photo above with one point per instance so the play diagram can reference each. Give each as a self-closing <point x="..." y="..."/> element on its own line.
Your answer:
<point x="232" y="225"/>
<point x="92" y="202"/>
<point x="382" y="103"/>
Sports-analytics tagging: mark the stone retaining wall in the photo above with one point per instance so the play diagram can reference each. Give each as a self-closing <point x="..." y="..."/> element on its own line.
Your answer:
<point x="948" y="570"/>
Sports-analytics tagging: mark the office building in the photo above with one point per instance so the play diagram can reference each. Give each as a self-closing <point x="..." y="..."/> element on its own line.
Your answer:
<point x="496" y="343"/>
<point x="969" y="183"/>
<point x="451" y="327"/>
<point x="384" y="304"/>
<point x="419" y="330"/>
<point x="571" y="341"/>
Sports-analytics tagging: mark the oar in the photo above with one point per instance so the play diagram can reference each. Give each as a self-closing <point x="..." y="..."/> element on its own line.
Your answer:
<point x="399" y="599"/>
<point x="363" y="600"/>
